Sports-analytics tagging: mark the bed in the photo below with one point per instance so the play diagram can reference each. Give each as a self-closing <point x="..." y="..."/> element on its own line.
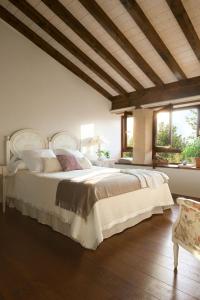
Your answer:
<point x="34" y="194"/>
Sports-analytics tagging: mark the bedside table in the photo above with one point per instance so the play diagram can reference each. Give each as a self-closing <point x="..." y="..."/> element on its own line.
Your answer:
<point x="107" y="163"/>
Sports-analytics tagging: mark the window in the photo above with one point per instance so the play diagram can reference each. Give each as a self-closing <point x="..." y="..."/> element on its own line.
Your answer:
<point x="127" y="123"/>
<point x="173" y="130"/>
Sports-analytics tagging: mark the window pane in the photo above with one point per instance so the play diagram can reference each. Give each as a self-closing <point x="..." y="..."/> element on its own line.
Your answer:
<point x="163" y="129"/>
<point x="184" y="130"/>
<point x="184" y="127"/>
<point x="127" y="154"/>
<point x="166" y="158"/>
<point x="129" y="126"/>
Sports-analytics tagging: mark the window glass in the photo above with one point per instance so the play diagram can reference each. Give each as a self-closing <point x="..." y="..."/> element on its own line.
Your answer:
<point x="127" y="154"/>
<point x="175" y="130"/>
<point x="163" y="129"/>
<point x="127" y="124"/>
<point x="129" y="132"/>
<point x="184" y="127"/>
<point x="171" y="158"/>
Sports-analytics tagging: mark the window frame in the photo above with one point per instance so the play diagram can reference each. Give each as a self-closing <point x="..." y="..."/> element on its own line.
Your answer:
<point x="170" y="108"/>
<point x="124" y="147"/>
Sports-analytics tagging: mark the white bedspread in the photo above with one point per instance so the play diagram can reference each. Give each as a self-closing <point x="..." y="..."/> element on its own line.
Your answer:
<point x="35" y="196"/>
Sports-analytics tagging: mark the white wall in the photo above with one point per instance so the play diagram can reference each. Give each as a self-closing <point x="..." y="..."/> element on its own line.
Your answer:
<point x="183" y="182"/>
<point x="37" y="92"/>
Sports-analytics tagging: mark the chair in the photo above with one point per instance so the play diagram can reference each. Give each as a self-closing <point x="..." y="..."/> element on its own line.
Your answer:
<point x="186" y="230"/>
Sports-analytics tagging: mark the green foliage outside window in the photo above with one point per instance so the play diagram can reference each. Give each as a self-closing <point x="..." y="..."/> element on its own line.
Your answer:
<point x="178" y="142"/>
<point x="128" y="154"/>
<point x="186" y="145"/>
<point x="192" y="149"/>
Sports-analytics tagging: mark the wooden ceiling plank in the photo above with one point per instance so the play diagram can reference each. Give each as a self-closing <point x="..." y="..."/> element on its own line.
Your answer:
<point x="42" y="44"/>
<point x="41" y="21"/>
<point x="145" y="25"/>
<point x="169" y="92"/>
<point x="97" y="12"/>
<point x="186" y="25"/>
<point x="61" y="11"/>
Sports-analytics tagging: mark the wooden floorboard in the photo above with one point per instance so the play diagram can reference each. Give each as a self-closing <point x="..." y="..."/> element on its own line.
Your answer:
<point x="38" y="263"/>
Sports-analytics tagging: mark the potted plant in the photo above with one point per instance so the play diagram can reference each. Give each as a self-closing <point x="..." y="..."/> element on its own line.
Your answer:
<point x="192" y="150"/>
<point x="103" y="154"/>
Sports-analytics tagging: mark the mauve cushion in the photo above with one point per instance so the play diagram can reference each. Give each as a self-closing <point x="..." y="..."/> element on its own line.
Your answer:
<point x="68" y="162"/>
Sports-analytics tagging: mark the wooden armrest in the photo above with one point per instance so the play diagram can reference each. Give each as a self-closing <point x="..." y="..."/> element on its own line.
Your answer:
<point x="192" y="204"/>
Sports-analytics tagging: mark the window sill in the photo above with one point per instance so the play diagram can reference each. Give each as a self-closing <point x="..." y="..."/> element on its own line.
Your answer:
<point x="131" y="164"/>
<point x="170" y="166"/>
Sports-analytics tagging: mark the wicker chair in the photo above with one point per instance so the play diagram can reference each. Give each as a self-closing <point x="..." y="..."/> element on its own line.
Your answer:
<point x="186" y="230"/>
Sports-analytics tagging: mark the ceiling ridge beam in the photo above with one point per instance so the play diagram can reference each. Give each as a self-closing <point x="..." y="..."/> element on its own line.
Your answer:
<point x="102" y="18"/>
<point x="44" y="24"/>
<point x="42" y="44"/>
<point x="186" y="25"/>
<point x="169" y="92"/>
<point x="61" y="11"/>
<point x="151" y="34"/>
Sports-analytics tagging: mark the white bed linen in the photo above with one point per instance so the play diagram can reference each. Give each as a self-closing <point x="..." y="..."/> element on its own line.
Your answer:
<point x="35" y="195"/>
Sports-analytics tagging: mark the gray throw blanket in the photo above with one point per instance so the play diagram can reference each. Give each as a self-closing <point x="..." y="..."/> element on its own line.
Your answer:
<point x="80" y="195"/>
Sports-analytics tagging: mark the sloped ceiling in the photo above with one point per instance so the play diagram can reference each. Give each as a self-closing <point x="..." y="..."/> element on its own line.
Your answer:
<point x="120" y="47"/>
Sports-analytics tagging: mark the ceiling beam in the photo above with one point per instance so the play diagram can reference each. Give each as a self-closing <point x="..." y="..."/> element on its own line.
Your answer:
<point x="97" y="12"/>
<point x="42" y="44"/>
<point x="186" y="25"/>
<point x="88" y="38"/>
<point x="169" y="92"/>
<point x="44" y="24"/>
<point x="142" y="21"/>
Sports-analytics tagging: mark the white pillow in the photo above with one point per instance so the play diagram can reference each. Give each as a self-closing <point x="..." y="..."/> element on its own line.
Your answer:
<point x="76" y="153"/>
<point x="32" y="158"/>
<point x="15" y="164"/>
<point x="84" y="162"/>
<point x="51" y="164"/>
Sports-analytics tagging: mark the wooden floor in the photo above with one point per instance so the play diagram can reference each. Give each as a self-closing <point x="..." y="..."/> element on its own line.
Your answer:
<point x="39" y="264"/>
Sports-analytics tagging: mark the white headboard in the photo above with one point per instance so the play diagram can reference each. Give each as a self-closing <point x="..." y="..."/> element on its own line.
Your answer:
<point x="23" y="140"/>
<point x="64" y="140"/>
<point x="31" y="139"/>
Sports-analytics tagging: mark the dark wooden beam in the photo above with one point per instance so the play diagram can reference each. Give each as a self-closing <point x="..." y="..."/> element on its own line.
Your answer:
<point x="142" y="21"/>
<point x="186" y="25"/>
<point x="37" y="40"/>
<point x="36" y="17"/>
<point x="97" y="12"/>
<point x="169" y="92"/>
<point x="88" y="38"/>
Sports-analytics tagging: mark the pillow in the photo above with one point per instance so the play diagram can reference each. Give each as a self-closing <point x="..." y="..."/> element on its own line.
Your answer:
<point x="15" y="164"/>
<point x="68" y="162"/>
<point x="81" y="159"/>
<point x="32" y="158"/>
<point x="76" y="153"/>
<point x="51" y="164"/>
<point x="84" y="162"/>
